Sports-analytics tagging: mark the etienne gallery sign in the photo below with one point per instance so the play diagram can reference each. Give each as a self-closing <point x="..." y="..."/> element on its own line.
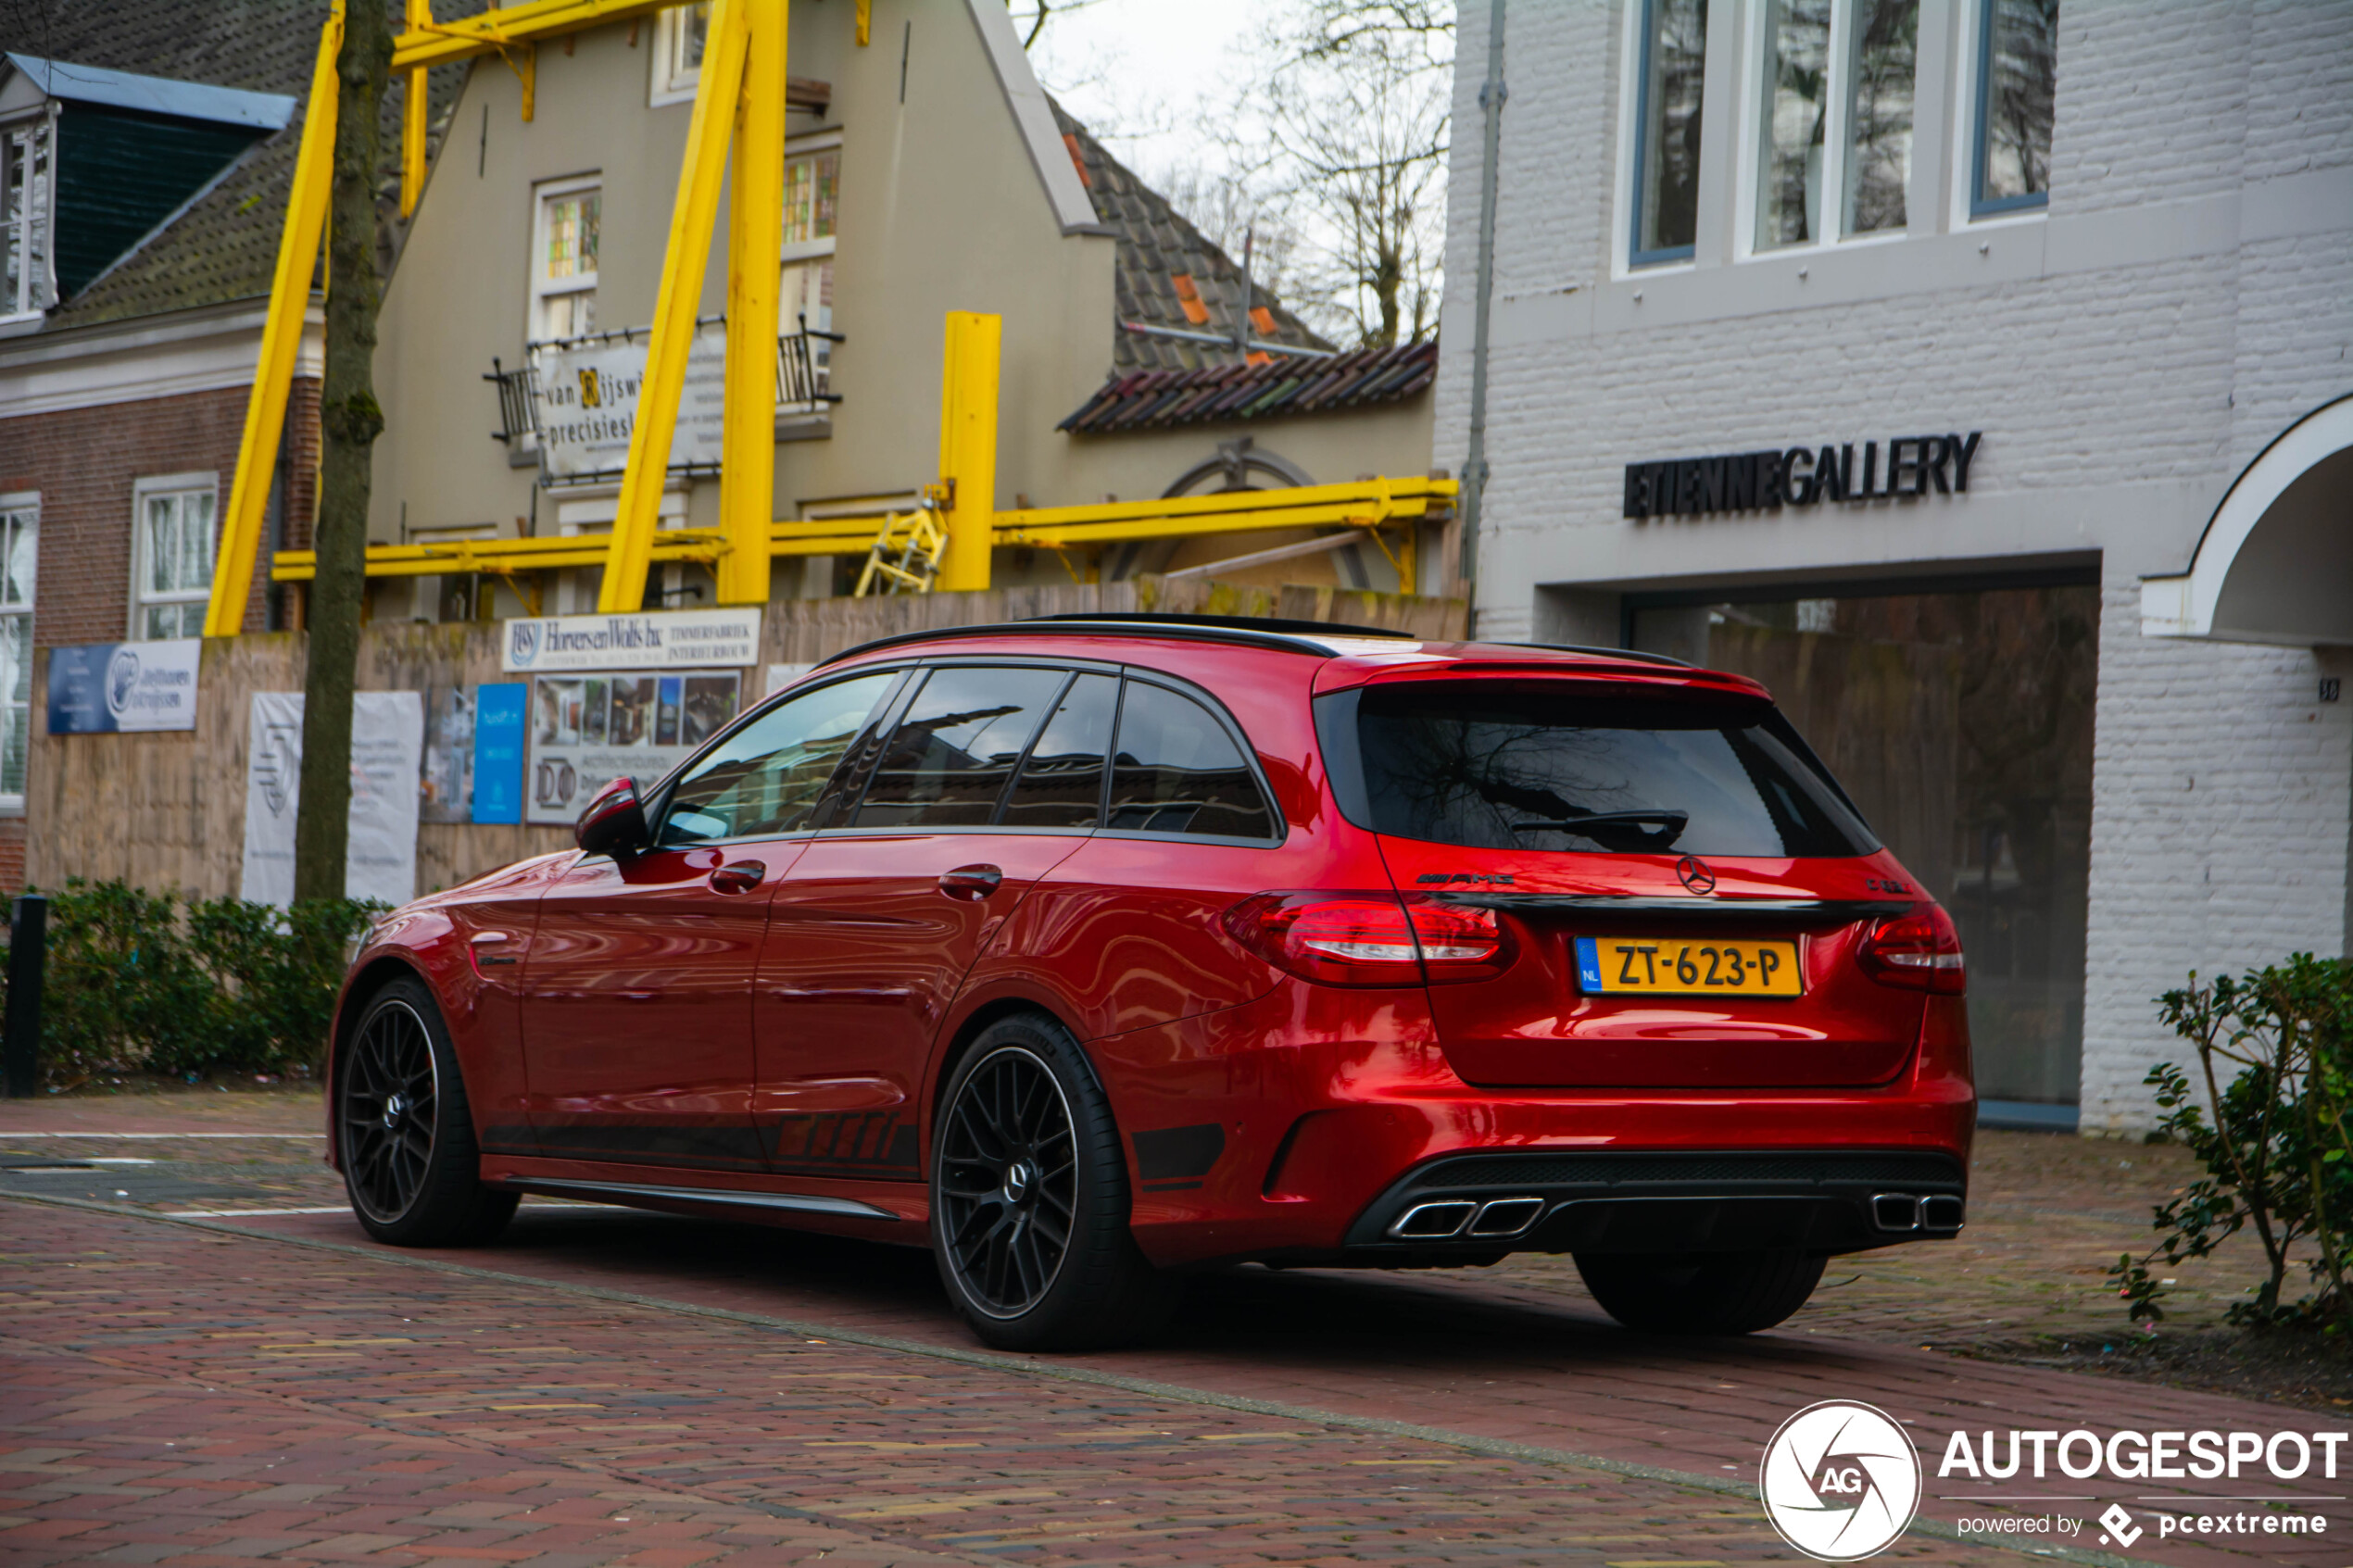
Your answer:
<point x="672" y="639"/>
<point x="103" y="688"/>
<point x="585" y="400"/>
<point x="1801" y="476"/>
<point x="388" y="746"/>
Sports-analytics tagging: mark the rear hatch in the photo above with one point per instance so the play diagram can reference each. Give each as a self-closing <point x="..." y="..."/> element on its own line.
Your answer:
<point x="1687" y="898"/>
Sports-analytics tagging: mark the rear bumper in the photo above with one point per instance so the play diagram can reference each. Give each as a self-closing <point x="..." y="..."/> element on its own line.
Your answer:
<point x="1807" y="1201"/>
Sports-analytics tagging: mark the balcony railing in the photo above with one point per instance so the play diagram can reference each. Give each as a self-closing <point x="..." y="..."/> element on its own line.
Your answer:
<point x="804" y="386"/>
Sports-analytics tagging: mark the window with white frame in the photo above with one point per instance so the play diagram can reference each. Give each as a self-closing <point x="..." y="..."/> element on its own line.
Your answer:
<point x="26" y="262"/>
<point x="566" y="218"/>
<point x="1672" y="53"/>
<point x="20" y="557"/>
<point x="173" y="556"/>
<point x="679" y="35"/>
<point x="1836" y="98"/>
<point x="805" y="300"/>
<point x="2017" y="87"/>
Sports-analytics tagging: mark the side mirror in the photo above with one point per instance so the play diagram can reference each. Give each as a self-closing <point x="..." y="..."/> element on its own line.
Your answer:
<point x="613" y="824"/>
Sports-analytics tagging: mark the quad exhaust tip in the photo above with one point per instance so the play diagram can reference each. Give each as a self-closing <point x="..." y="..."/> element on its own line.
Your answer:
<point x="1496" y="1219"/>
<point x="1905" y="1212"/>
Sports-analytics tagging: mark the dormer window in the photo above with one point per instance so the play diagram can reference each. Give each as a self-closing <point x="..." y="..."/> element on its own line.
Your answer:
<point x="28" y="263"/>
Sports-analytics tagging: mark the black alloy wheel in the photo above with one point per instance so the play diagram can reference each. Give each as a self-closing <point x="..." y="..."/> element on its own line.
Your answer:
<point x="405" y="1137"/>
<point x="1009" y="1182"/>
<point x="1030" y="1198"/>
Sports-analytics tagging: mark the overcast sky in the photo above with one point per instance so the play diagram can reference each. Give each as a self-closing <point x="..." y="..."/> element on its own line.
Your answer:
<point x="1134" y="70"/>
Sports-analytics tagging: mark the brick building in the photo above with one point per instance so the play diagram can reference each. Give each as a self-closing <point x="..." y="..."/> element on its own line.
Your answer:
<point x="1975" y="373"/>
<point x="146" y="163"/>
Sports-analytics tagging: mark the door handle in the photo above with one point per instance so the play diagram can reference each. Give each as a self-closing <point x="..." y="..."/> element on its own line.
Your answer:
<point x="970" y="884"/>
<point x="738" y="876"/>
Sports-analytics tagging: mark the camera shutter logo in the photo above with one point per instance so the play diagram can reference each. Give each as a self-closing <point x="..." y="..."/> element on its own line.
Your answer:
<point x="1841" y="1481"/>
<point x="523" y="642"/>
<point x="122" y="679"/>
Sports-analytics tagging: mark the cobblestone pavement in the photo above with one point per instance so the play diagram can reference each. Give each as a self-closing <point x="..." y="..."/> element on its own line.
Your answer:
<point x="185" y="1394"/>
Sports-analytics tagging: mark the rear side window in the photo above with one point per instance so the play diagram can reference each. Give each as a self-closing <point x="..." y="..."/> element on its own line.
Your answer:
<point x="1177" y="770"/>
<point x="1496" y="765"/>
<point x="948" y="763"/>
<point x="1062" y="781"/>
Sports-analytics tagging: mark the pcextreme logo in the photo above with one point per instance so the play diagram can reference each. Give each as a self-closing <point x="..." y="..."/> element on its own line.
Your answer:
<point x="1840" y="1481"/>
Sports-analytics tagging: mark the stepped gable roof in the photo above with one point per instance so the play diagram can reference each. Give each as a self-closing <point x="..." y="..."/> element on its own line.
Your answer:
<point x="1169" y="273"/>
<point x="1158" y="399"/>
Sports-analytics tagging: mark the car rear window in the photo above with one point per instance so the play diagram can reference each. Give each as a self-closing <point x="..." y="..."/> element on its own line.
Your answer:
<point x="1554" y="765"/>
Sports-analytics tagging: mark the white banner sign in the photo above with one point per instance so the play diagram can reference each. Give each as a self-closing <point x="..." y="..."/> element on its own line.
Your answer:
<point x="587" y="731"/>
<point x="387" y="746"/>
<point x="666" y="639"/>
<point x="586" y="398"/>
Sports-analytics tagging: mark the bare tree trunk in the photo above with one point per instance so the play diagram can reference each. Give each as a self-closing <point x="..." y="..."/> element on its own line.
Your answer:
<point x="349" y="422"/>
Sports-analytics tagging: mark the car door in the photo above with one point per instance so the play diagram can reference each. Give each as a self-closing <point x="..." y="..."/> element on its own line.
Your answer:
<point x="637" y="995"/>
<point x="872" y="934"/>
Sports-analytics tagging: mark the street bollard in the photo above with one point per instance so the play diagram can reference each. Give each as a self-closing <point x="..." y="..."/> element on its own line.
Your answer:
<point x="20" y="1033"/>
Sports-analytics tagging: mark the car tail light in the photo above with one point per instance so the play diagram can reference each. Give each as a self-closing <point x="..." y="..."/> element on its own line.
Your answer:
<point x="1919" y="951"/>
<point x="1368" y="938"/>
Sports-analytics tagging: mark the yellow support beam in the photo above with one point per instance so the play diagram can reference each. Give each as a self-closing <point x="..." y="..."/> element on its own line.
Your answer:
<point x="674" y="308"/>
<point x="755" y="244"/>
<point x="428" y="43"/>
<point x="281" y="338"/>
<point x="412" y="119"/>
<point x="968" y="446"/>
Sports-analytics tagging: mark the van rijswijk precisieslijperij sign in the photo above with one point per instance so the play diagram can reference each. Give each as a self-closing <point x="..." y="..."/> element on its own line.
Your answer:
<point x="669" y="639"/>
<point x="585" y="397"/>
<point x="1801" y="476"/>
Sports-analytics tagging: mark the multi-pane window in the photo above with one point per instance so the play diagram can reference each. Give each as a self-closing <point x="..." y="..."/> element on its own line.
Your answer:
<point x="20" y="551"/>
<point x="812" y="182"/>
<point x="25" y="190"/>
<point x="1836" y="102"/>
<point x="679" y="36"/>
<point x="563" y="260"/>
<point x="175" y="542"/>
<point x="2017" y="84"/>
<point x="1673" y="50"/>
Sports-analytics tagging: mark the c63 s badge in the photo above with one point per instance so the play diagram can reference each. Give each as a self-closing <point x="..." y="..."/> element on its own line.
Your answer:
<point x="1841" y="1481"/>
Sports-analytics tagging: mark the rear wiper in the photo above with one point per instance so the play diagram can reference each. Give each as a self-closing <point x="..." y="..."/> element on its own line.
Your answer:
<point x="1670" y="823"/>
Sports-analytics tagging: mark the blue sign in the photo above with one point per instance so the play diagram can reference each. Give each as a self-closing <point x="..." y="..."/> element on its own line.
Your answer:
<point x="499" y="731"/>
<point x="100" y="688"/>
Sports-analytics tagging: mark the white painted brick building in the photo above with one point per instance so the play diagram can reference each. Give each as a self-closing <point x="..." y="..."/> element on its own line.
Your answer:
<point x="2122" y="250"/>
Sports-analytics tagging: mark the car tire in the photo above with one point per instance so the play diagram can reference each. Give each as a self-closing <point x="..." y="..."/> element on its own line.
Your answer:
<point x="1029" y="1200"/>
<point x="1703" y="1292"/>
<point x="404" y="1131"/>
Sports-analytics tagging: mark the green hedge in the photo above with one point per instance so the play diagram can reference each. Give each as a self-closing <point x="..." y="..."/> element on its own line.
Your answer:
<point x="145" y="983"/>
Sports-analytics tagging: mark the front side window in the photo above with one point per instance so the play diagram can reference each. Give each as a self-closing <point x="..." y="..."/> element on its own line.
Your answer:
<point x="1535" y="766"/>
<point x="20" y="552"/>
<point x="174" y="565"/>
<point x="563" y="260"/>
<point x="948" y="763"/>
<point x="768" y="777"/>
<point x="679" y="36"/>
<point x="805" y="300"/>
<point x="1177" y="770"/>
<point x="2017" y="85"/>
<point x="1673" y="55"/>
<point x="1836" y="101"/>
<point x="25" y="190"/>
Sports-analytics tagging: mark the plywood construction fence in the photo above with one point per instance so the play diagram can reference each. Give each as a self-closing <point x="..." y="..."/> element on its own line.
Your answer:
<point x="167" y="811"/>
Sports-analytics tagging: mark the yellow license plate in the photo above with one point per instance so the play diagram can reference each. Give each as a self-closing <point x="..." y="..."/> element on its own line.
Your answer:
<point x="1674" y="967"/>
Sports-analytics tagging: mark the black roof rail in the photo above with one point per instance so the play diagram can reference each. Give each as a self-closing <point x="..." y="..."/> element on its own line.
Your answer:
<point x="1201" y="629"/>
<point x="1239" y="622"/>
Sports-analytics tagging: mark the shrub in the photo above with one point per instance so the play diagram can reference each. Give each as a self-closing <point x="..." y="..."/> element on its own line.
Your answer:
<point x="2274" y="1053"/>
<point x="149" y="983"/>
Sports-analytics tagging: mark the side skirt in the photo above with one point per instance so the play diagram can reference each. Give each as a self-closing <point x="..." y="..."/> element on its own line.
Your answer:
<point x="631" y="1194"/>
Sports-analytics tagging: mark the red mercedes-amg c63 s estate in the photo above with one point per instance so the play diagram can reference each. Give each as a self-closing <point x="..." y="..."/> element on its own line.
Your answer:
<point x="1088" y="951"/>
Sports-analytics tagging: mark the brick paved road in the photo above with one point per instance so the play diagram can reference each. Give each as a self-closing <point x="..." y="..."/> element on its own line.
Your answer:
<point x="510" y="1411"/>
